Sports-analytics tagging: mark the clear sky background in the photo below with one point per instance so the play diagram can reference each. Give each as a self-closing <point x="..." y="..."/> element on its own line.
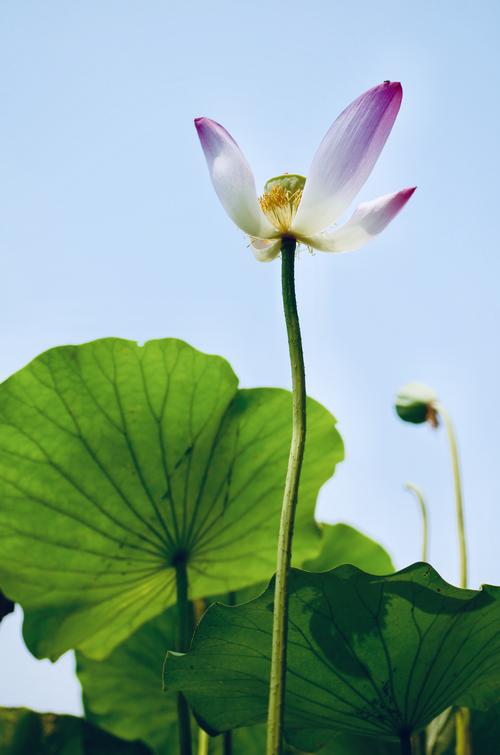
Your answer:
<point x="109" y="226"/>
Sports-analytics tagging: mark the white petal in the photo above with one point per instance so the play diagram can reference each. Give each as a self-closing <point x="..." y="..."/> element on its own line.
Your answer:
<point x="346" y="157"/>
<point x="232" y="178"/>
<point x="264" y="250"/>
<point x="369" y="219"/>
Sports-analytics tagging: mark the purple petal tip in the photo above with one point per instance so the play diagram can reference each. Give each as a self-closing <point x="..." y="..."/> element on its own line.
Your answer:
<point x="409" y="191"/>
<point x="387" y="84"/>
<point x="400" y="198"/>
<point x="207" y="129"/>
<point x="390" y="91"/>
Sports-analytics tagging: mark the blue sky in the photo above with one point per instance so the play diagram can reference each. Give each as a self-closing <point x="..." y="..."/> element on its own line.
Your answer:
<point x="110" y="226"/>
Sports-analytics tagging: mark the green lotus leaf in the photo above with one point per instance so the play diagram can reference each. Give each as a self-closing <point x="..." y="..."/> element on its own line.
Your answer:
<point x="351" y="744"/>
<point x="342" y="544"/>
<point x="23" y="732"/>
<point x="376" y="656"/>
<point x="123" y="693"/>
<point x="118" y="461"/>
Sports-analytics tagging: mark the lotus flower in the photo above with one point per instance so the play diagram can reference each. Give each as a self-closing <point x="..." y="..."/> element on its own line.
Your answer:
<point x="305" y="210"/>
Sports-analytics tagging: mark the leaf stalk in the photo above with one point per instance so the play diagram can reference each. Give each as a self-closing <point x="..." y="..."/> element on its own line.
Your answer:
<point x="184" y="631"/>
<point x="406" y="745"/>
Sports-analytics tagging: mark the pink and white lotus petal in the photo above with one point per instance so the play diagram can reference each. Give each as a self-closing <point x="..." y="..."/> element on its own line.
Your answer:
<point x="232" y="178"/>
<point x="369" y="219"/>
<point x="346" y="156"/>
<point x="265" y="251"/>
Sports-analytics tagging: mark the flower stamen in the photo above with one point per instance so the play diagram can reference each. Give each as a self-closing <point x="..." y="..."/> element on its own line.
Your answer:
<point x="280" y="206"/>
<point x="281" y="200"/>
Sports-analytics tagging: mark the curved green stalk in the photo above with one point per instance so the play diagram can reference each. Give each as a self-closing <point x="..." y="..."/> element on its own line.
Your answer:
<point x="280" y="616"/>
<point x="425" y="522"/>
<point x="184" y="617"/>
<point x="462" y="717"/>
<point x="457" y="482"/>
<point x="418" y="740"/>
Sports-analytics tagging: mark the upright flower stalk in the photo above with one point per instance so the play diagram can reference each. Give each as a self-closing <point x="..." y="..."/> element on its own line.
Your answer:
<point x="418" y="740"/>
<point x="418" y="403"/>
<point x="457" y="485"/>
<point x="280" y="616"/>
<point x="463" y="735"/>
<point x="294" y="210"/>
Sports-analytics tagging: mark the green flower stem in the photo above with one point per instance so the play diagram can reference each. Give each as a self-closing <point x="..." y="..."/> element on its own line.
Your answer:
<point x="184" y="630"/>
<point x="455" y="463"/>
<point x="462" y="717"/>
<point x="280" y="616"/>
<point x="425" y="523"/>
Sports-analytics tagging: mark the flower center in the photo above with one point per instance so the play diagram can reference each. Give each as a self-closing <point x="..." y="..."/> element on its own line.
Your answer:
<point x="281" y="200"/>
